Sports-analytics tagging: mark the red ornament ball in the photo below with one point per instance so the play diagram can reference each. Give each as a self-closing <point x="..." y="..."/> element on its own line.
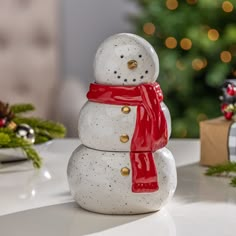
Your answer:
<point x="228" y="115"/>
<point x="231" y="90"/>
<point x="3" y="122"/>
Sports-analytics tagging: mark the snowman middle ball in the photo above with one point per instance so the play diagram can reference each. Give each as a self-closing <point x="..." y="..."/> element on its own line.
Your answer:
<point x="122" y="166"/>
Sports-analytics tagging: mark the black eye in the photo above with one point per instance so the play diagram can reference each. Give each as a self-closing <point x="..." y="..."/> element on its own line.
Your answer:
<point x="146" y="71"/>
<point x="115" y="72"/>
<point x="118" y="77"/>
<point x="125" y="80"/>
<point x="121" y="56"/>
<point x="134" y="80"/>
<point x="140" y="56"/>
<point x="141" y="77"/>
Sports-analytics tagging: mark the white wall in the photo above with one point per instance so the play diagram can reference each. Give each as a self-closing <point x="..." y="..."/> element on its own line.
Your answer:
<point x="86" y="23"/>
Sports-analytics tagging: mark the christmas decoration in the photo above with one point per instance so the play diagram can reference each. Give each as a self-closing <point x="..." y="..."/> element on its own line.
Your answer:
<point x="123" y="166"/>
<point x="197" y="43"/>
<point x="228" y="99"/>
<point x="227" y="170"/>
<point x="217" y="137"/>
<point x="26" y="132"/>
<point x="6" y="114"/>
<point x="19" y="131"/>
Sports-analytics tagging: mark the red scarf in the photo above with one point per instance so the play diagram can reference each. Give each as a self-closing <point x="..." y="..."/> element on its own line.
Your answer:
<point x="150" y="132"/>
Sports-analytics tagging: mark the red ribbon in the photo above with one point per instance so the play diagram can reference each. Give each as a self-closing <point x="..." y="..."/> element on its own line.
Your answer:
<point x="150" y="132"/>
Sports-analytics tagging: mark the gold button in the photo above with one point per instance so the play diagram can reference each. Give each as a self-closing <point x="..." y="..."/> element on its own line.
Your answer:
<point x="125" y="171"/>
<point x="125" y="109"/>
<point x="124" y="138"/>
<point x="132" y="64"/>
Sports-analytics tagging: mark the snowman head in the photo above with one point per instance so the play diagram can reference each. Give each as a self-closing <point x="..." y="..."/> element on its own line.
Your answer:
<point x="125" y="59"/>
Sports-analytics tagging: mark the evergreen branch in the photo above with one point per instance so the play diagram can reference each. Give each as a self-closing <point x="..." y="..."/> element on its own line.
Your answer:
<point x="225" y="169"/>
<point x="15" y="142"/>
<point x="32" y="155"/>
<point x="233" y="182"/>
<point x="41" y="139"/>
<point x="4" y="139"/>
<point x="21" y="108"/>
<point x="50" y="128"/>
<point x="221" y="169"/>
<point x="8" y="131"/>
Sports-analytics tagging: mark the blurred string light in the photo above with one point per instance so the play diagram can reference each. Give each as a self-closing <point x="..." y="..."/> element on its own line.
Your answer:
<point x="226" y="56"/>
<point x="198" y="64"/>
<point x="149" y="28"/>
<point x="191" y="2"/>
<point x="201" y="117"/>
<point x="213" y="34"/>
<point x="180" y="65"/>
<point x="183" y="133"/>
<point x="185" y="43"/>
<point x="227" y="6"/>
<point x="234" y="72"/>
<point x="171" y="42"/>
<point x="232" y="49"/>
<point x="172" y="4"/>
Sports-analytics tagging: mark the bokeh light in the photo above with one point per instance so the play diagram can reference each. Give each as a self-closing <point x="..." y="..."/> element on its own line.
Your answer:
<point x="172" y="4"/>
<point x="213" y="34"/>
<point x="227" y="6"/>
<point x="191" y="2"/>
<point x="186" y="43"/>
<point x="197" y="64"/>
<point x="180" y="65"/>
<point x="149" y="28"/>
<point x="226" y="56"/>
<point x="171" y="42"/>
<point x="201" y="117"/>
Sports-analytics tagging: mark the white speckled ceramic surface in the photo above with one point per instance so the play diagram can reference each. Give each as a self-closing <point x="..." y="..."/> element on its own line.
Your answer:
<point x="106" y="131"/>
<point x="110" y="64"/>
<point x="101" y="125"/>
<point x="97" y="185"/>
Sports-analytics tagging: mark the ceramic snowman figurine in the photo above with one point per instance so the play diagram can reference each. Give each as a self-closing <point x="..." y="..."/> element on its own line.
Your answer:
<point x="122" y="166"/>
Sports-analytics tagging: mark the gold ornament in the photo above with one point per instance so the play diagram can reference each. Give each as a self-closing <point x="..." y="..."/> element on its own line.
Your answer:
<point x="125" y="171"/>
<point x="132" y="64"/>
<point x="12" y="125"/>
<point x="126" y="109"/>
<point x="124" y="138"/>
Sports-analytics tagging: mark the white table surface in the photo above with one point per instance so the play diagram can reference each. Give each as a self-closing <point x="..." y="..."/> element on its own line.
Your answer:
<point x="39" y="203"/>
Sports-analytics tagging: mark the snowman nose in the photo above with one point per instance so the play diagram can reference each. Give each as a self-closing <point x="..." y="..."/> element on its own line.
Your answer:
<point x="132" y="64"/>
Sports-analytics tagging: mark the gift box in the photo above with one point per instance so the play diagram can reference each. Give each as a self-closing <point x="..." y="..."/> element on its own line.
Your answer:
<point x="218" y="141"/>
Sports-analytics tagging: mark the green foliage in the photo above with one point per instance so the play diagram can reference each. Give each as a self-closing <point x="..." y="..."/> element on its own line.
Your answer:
<point x="233" y="182"/>
<point x="227" y="169"/>
<point x="21" y="108"/>
<point x="32" y="155"/>
<point x="44" y="131"/>
<point x="8" y="139"/>
<point x="190" y="86"/>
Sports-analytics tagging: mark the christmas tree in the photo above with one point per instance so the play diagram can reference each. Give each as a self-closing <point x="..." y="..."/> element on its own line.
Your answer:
<point x="196" y="44"/>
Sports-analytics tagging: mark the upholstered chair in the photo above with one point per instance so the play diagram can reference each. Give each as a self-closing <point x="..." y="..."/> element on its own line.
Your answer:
<point x="30" y="61"/>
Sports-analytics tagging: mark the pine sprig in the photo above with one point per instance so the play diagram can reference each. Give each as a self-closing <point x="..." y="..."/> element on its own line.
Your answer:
<point x="21" y="108"/>
<point x="227" y="169"/>
<point x="49" y="128"/>
<point x="32" y="155"/>
<point x="10" y="141"/>
<point x="44" y="130"/>
<point x="222" y="169"/>
<point x="233" y="182"/>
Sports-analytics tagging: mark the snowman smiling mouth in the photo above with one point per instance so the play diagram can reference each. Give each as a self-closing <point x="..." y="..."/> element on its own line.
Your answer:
<point x="131" y="64"/>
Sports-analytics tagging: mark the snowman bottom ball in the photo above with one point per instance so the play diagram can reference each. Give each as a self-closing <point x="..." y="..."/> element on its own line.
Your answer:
<point x="101" y="182"/>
